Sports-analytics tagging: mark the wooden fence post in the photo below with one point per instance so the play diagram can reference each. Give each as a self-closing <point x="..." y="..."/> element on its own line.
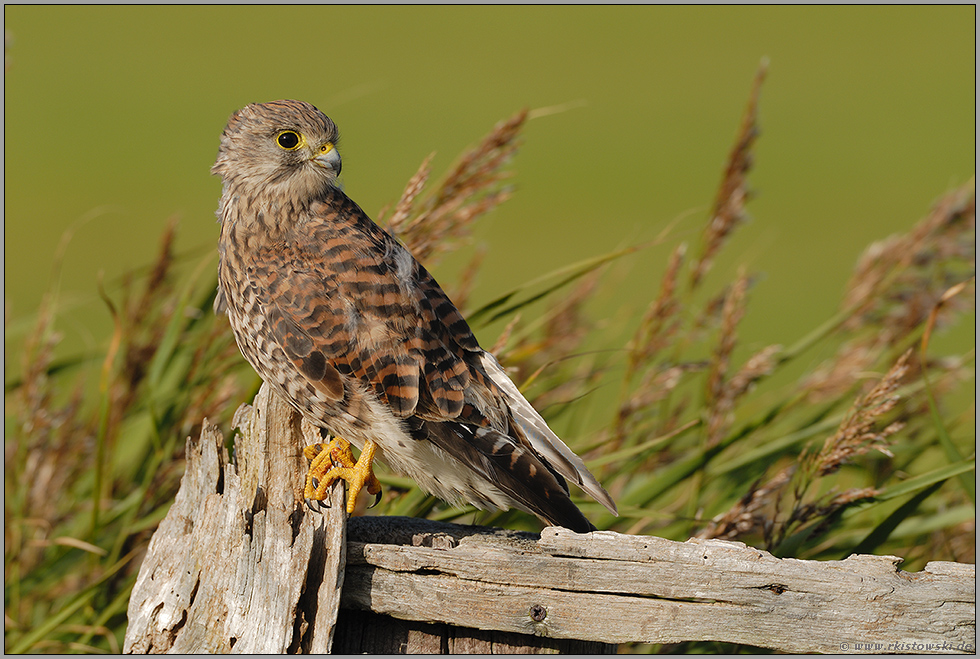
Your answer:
<point x="240" y="564"/>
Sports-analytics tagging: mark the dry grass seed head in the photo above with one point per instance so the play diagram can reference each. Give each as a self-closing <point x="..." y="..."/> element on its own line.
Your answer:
<point x="140" y="328"/>
<point x="732" y="311"/>
<point x="661" y="319"/>
<point x="406" y="203"/>
<point x="818" y="514"/>
<point x="855" y="436"/>
<point x="898" y="281"/>
<point x="729" y="207"/>
<point x="750" y="514"/>
<point x="836" y="376"/>
<point x="757" y="366"/>
<point x="857" y="433"/>
<point x="566" y="326"/>
<point x="555" y="340"/>
<point x="51" y="446"/>
<point x="470" y="190"/>
<point x="719" y="396"/>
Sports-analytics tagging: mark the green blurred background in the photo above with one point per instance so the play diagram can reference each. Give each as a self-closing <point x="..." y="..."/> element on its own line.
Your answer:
<point x="113" y="114"/>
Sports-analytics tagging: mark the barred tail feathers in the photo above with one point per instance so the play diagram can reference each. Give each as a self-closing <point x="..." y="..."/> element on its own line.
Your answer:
<point x="543" y="439"/>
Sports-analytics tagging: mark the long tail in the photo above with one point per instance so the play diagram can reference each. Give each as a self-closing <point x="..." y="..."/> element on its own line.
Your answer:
<point x="543" y="439"/>
<point x="527" y="479"/>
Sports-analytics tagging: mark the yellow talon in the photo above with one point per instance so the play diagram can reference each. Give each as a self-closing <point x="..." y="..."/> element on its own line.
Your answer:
<point x="323" y="469"/>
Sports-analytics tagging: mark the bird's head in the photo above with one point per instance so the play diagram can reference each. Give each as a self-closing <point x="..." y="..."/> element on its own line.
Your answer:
<point x="283" y="148"/>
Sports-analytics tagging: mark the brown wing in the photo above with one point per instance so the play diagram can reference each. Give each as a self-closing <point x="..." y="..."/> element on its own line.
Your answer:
<point x="343" y="297"/>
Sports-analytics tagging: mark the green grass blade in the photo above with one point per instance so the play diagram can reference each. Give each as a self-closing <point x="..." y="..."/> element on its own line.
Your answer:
<point x="931" y="521"/>
<point x="664" y="479"/>
<point x="163" y="357"/>
<point x="77" y="602"/>
<point x="927" y="479"/>
<point x="564" y="276"/>
<point x="968" y="483"/>
<point x="881" y="532"/>
<point x="639" y="451"/>
<point x="777" y="445"/>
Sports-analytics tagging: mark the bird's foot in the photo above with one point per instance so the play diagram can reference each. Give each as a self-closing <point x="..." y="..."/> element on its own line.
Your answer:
<point x="334" y="461"/>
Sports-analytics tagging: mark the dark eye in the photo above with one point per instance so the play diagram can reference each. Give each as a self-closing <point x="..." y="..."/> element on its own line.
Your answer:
<point x="288" y="139"/>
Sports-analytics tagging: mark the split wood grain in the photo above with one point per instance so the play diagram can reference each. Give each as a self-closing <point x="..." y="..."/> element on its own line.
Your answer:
<point x="240" y="564"/>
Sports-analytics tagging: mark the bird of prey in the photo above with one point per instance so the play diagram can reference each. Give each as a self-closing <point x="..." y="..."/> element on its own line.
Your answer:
<point x="343" y="323"/>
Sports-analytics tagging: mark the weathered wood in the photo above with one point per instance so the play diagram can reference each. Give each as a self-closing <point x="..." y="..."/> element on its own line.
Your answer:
<point x="616" y="588"/>
<point x="371" y="633"/>
<point x="240" y="564"/>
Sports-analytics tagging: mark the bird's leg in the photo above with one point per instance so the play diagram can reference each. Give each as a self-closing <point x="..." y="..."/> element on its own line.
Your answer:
<point x="334" y="461"/>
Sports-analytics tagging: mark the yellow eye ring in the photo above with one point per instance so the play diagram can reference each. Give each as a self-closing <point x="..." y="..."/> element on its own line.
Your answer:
<point x="289" y="140"/>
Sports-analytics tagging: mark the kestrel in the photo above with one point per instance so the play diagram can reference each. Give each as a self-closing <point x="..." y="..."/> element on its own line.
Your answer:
<point x="339" y="318"/>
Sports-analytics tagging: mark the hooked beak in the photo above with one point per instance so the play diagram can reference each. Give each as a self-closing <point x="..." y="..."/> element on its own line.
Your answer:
<point x="328" y="158"/>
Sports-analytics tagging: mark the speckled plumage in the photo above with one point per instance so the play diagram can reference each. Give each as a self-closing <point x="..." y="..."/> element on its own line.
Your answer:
<point x="347" y="326"/>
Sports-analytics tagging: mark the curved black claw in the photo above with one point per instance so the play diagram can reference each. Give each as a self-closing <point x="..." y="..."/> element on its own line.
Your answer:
<point x="377" y="500"/>
<point x="320" y="504"/>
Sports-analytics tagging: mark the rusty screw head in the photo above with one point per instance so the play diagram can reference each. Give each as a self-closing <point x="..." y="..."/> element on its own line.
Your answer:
<point x="537" y="613"/>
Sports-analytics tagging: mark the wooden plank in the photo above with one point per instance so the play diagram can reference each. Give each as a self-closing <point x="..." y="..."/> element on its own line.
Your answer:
<point x="371" y="633"/>
<point x="573" y="615"/>
<point x="364" y="632"/>
<point x="614" y="588"/>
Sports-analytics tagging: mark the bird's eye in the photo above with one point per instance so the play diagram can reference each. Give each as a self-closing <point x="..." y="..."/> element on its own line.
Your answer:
<point x="288" y="139"/>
